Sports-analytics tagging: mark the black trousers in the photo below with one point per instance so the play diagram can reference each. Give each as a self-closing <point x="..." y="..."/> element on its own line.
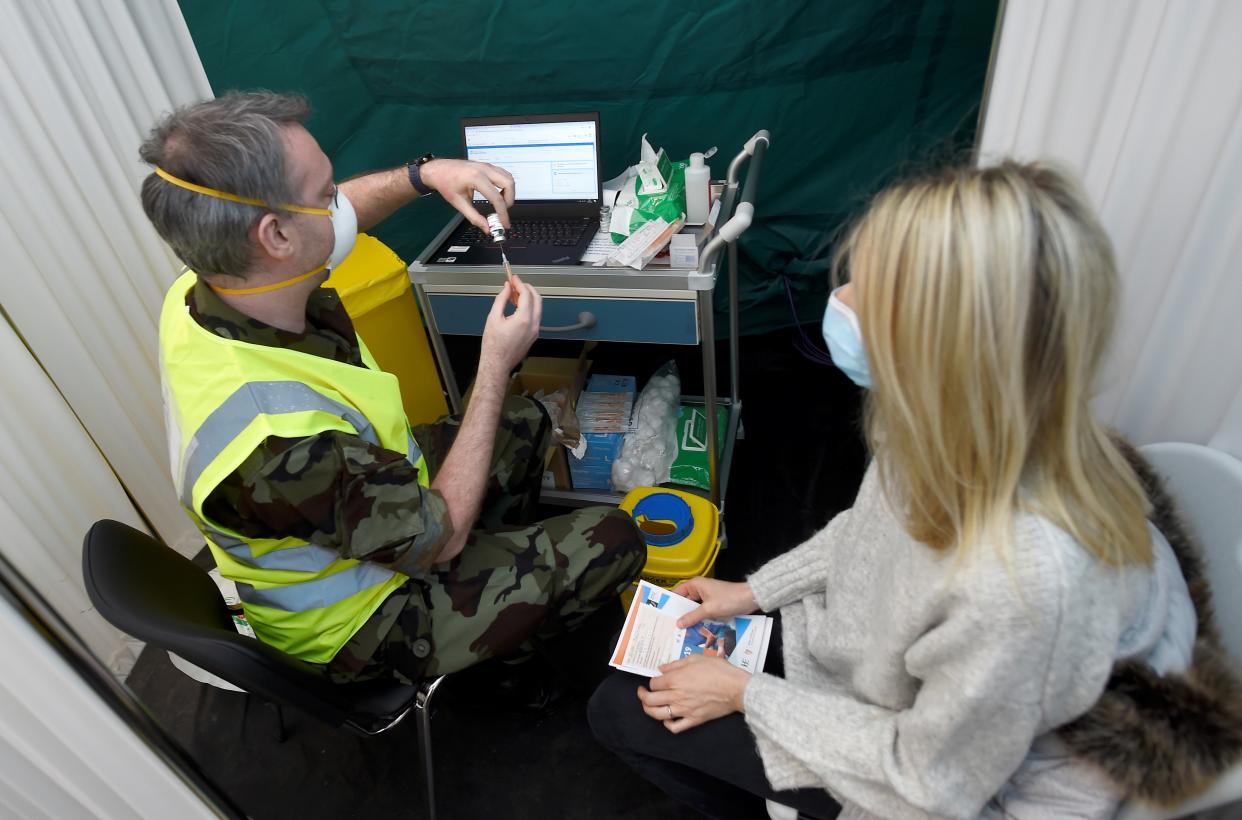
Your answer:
<point x="715" y="767"/>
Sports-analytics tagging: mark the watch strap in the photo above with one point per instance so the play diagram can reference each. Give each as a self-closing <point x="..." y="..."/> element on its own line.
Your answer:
<point x="414" y="169"/>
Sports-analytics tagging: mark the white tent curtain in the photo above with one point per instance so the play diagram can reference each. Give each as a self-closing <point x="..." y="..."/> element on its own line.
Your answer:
<point x="83" y="276"/>
<point x="1144" y="100"/>
<point x="53" y="485"/>
<point x="80" y="85"/>
<point x="62" y="754"/>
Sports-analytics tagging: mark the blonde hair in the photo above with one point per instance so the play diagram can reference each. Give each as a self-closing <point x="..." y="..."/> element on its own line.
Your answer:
<point x="986" y="298"/>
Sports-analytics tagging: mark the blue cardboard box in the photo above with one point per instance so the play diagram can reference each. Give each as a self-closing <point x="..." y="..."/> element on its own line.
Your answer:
<point x="604" y="410"/>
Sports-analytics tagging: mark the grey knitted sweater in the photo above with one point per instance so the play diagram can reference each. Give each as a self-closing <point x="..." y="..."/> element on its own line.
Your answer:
<point x="920" y="686"/>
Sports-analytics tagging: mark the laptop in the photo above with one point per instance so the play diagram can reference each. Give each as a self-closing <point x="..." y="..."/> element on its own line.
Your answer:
<point x="555" y="163"/>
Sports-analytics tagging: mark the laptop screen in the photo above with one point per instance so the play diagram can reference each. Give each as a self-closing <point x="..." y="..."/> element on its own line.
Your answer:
<point x="548" y="160"/>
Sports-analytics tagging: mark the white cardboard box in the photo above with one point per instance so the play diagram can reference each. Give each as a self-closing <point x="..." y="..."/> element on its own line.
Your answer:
<point x="683" y="251"/>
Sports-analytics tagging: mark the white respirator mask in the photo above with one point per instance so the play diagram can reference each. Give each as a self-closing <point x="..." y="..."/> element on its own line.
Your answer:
<point x="344" y="229"/>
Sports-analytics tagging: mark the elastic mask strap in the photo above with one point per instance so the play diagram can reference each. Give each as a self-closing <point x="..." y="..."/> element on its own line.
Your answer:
<point x="244" y="200"/>
<point x="267" y="288"/>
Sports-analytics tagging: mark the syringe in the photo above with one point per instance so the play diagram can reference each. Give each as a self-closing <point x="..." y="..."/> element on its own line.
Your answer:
<point x="498" y="237"/>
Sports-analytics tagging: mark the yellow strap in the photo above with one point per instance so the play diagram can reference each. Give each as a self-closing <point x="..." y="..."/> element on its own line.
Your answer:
<point x="265" y="288"/>
<point x="245" y="200"/>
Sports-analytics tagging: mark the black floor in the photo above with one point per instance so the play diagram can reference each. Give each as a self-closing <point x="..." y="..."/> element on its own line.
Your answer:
<point x="800" y="462"/>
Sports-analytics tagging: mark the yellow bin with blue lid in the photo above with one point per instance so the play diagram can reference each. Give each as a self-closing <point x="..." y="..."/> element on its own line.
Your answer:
<point x="682" y="531"/>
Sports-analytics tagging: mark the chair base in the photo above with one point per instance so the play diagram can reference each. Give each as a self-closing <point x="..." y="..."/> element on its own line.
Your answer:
<point x="422" y="706"/>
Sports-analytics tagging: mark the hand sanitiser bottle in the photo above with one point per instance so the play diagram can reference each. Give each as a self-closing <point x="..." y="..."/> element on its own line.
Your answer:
<point x="698" y="190"/>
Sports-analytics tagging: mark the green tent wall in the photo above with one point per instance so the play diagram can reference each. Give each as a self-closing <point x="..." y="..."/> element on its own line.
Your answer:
<point x="854" y="92"/>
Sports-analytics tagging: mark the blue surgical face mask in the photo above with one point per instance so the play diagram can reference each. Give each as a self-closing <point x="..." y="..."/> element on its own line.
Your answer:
<point x="844" y="338"/>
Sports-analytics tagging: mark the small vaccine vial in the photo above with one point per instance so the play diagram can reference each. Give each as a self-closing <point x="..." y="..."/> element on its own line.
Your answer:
<point x="498" y="230"/>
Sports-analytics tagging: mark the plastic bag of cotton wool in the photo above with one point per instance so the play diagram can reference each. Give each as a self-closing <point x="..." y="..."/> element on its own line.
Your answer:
<point x="647" y="453"/>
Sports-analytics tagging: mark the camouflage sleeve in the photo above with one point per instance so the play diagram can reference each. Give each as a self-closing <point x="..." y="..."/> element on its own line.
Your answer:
<point x="336" y="490"/>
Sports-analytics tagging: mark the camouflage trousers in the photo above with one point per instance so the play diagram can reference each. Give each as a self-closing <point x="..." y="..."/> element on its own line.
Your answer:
<point x="513" y="582"/>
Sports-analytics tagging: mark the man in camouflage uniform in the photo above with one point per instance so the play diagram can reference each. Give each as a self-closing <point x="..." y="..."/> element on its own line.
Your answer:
<point x="483" y="580"/>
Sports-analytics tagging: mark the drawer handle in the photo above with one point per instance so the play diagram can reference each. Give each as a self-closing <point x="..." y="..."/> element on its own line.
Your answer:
<point x="586" y="321"/>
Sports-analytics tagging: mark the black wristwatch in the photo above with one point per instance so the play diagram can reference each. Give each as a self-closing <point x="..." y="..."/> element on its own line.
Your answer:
<point x="414" y="169"/>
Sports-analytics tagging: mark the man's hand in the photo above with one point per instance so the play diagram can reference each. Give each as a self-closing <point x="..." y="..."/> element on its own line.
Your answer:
<point x="694" y="690"/>
<point x="719" y="599"/>
<point x="506" y="339"/>
<point x="457" y="179"/>
<point x="463" y="477"/>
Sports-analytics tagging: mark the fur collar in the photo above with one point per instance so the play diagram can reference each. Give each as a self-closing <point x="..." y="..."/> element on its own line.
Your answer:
<point x="1164" y="740"/>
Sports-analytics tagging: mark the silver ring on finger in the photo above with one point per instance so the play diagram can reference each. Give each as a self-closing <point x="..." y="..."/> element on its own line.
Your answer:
<point x="670" y="712"/>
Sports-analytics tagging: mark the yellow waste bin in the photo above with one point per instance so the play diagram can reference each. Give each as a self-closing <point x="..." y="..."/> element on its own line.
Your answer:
<point x="682" y="531"/>
<point x="374" y="286"/>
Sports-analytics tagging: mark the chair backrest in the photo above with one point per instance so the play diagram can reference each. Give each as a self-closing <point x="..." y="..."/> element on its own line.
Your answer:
<point x="1207" y="486"/>
<point x="146" y="589"/>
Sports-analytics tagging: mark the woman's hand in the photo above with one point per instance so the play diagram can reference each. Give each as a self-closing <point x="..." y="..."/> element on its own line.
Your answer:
<point x="693" y="691"/>
<point x="719" y="599"/>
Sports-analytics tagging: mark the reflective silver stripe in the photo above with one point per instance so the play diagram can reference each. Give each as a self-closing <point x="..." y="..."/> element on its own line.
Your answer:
<point x="305" y="558"/>
<point x="318" y="593"/>
<point x="249" y="401"/>
<point x="226" y="542"/>
<point x="413" y="452"/>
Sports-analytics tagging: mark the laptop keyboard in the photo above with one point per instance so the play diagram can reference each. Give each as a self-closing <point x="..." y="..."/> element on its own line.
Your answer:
<point x="564" y="232"/>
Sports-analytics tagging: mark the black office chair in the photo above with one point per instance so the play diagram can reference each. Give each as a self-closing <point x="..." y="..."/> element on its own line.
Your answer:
<point x="147" y="590"/>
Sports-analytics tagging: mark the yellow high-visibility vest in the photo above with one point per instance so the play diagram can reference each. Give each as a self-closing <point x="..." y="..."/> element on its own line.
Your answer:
<point x="222" y="398"/>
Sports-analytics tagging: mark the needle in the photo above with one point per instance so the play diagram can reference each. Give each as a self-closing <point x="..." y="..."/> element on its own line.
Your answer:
<point x="497" y="230"/>
<point x="513" y="297"/>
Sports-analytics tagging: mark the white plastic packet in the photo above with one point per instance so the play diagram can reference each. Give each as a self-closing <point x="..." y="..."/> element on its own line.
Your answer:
<point x="648" y="452"/>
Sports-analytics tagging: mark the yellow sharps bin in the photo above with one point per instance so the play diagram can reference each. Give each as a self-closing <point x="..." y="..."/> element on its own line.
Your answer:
<point x="374" y="286"/>
<point x="682" y="532"/>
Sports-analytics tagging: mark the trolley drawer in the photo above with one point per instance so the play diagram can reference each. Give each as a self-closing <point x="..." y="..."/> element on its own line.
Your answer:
<point x="662" y="321"/>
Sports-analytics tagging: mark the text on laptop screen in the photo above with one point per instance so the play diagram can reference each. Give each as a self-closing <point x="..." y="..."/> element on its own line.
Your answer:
<point x="548" y="160"/>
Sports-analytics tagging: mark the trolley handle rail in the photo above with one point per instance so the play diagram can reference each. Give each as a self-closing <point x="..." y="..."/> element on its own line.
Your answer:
<point x="726" y="236"/>
<point x="744" y="213"/>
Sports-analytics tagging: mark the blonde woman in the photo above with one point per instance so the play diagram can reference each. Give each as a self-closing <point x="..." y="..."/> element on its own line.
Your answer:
<point x="995" y="568"/>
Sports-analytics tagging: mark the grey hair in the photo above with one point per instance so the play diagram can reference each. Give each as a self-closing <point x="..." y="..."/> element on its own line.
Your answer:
<point x="233" y="144"/>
